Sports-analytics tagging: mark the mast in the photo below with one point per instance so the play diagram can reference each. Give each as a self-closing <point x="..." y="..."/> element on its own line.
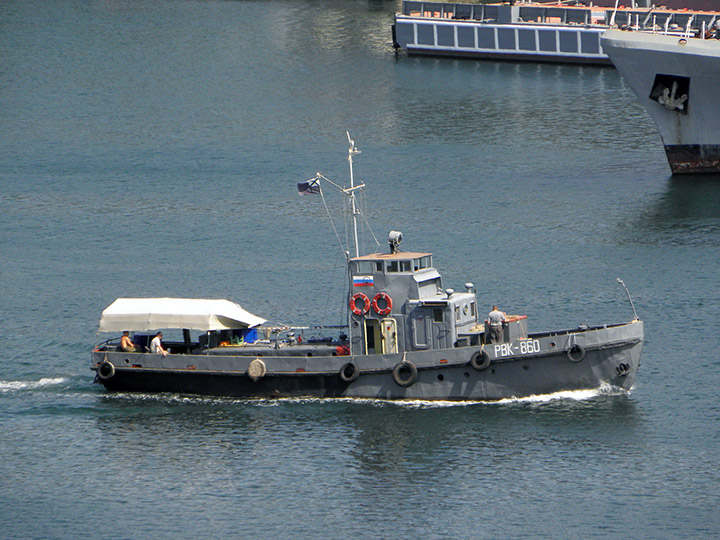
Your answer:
<point x="351" y="152"/>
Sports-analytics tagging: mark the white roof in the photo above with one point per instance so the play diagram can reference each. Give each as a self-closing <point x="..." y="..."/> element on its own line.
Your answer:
<point x="140" y="314"/>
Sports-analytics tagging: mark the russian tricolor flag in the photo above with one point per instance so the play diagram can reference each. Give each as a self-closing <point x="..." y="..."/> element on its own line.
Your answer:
<point x="363" y="281"/>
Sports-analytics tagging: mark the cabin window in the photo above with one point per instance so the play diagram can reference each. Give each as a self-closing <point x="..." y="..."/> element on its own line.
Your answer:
<point x="379" y="267"/>
<point x="438" y="314"/>
<point x="429" y="287"/>
<point x="398" y="266"/>
<point x="364" y="267"/>
<point x="472" y="310"/>
<point x="422" y="262"/>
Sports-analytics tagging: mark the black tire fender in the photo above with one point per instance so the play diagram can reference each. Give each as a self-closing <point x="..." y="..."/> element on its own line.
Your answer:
<point x="105" y="370"/>
<point x="405" y="373"/>
<point x="480" y="361"/>
<point x="349" y="372"/>
<point x="576" y="353"/>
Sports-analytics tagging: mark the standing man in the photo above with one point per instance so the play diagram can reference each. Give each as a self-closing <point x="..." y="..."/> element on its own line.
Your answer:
<point x="156" y="345"/>
<point x="496" y="318"/>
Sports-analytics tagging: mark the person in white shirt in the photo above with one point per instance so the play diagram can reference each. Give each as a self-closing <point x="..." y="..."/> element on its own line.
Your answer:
<point x="496" y="318"/>
<point x="156" y="345"/>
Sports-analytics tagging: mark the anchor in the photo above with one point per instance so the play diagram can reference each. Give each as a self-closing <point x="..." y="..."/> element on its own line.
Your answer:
<point x="669" y="100"/>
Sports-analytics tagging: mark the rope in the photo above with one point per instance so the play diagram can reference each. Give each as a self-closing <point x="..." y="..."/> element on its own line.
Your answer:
<point x="327" y="210"/>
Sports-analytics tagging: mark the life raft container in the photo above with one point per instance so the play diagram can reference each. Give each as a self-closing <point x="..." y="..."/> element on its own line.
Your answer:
<point x="355" y="308"/>
<point x="381" y="296"/>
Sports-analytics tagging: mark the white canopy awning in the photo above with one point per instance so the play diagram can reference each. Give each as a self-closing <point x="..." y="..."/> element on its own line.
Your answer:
<point x="141" y="314"/>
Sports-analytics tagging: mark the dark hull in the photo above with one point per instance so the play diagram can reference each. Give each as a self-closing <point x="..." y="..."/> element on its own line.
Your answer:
<point x="693" y="158"/>
<point x="511" y="57"/>
<point x="441" y="375"/>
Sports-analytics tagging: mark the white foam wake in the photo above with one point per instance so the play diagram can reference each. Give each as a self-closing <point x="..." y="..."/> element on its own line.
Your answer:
<point x="9" y="386"/>
<point x="572" y="395"/>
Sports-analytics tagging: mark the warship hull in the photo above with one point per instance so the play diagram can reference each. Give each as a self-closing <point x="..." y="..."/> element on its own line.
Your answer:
<point x="676" y="79"/>
<point x="578" y="359"/>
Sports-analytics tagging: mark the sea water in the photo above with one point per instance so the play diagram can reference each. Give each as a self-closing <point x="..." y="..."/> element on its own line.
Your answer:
<point x="152" y="148"/>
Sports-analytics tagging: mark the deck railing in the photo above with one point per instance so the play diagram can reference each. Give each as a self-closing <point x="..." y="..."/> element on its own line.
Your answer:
<point x="506" y="13"/>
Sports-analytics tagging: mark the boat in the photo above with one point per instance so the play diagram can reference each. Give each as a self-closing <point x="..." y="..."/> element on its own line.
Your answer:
<point x="529" y="31"/>
<point x="676" y="80"/>
<point x="406" y="337"/>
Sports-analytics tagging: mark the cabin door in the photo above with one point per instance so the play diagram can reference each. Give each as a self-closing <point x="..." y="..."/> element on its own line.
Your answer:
<point x="420" y="333"/>
<point x="373" y="337"/>
<point x="389" y="336"/>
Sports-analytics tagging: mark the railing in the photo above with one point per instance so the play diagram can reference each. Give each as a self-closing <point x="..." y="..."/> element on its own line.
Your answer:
<point x="639" y="18"/>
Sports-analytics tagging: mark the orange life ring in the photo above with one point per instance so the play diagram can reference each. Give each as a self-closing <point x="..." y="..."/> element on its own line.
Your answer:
<point x="388" y="303"/>
<point x="357" y="310"/>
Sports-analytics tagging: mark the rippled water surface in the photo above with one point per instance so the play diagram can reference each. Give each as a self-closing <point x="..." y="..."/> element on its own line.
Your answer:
<point x="151" y="148"/>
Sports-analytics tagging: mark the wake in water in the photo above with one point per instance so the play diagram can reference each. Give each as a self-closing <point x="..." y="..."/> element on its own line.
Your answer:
<point x="13" y="386"/>
<point x="572" y="395"/>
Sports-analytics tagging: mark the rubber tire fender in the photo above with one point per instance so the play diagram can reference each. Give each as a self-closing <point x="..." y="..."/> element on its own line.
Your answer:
<point x="349" y="372"/>
<point x="480" y="361"/>
<point x="397" y="376"/>
<point x="256" y="370"/>
<point x="105" y="370"/>
<point x="576" y="353"/>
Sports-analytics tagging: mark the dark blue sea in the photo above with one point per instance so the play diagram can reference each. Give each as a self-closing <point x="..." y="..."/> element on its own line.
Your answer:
<point x="152" y="148"/>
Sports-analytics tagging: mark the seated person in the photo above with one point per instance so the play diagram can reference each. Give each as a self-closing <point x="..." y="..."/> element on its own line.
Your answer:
<point x="156" y="345"/>
<point x="126" y="344"/>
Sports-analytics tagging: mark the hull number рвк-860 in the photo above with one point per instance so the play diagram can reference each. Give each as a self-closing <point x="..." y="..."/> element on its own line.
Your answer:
<point x="530" y="346"/>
